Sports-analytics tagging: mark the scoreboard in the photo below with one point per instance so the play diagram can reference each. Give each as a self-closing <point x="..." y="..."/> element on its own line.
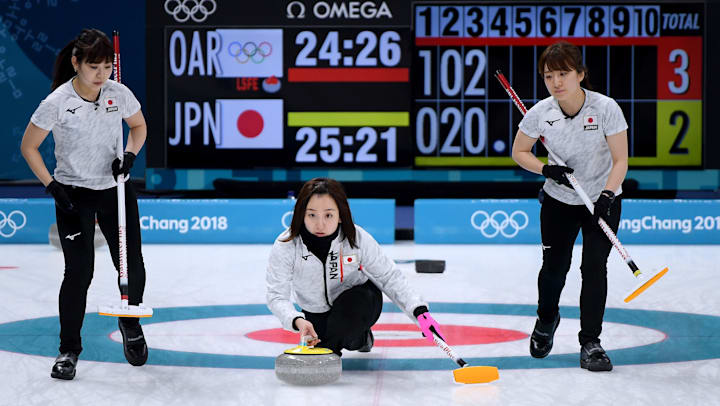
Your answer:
<point x="279" y="83"/>
<point x="399" y="84"/>
<point x="648" y="57"/>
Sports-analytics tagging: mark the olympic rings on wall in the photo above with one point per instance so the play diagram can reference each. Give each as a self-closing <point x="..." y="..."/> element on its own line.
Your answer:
<point x="11" y="223"/>
<point x="499" y="223"/>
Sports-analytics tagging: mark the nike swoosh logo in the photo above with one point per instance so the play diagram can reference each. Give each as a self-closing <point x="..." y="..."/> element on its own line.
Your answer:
<point x="72" y="237"/>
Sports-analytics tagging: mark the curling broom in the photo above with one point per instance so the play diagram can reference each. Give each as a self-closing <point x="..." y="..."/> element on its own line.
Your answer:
<point x="466" y="373"/>
<point x="644" y="282"/>
<point x="124" y="309"/>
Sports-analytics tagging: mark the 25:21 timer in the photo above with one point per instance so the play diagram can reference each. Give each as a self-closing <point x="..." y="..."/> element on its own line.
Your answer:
<point x="343" y="51"/>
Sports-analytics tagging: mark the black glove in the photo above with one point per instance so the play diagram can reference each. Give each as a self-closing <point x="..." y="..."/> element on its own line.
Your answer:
<point x="127" y="163"/>
<point x="602" y="206"/>
<point x="557" y="173"/>
<point x="62" y="200"/>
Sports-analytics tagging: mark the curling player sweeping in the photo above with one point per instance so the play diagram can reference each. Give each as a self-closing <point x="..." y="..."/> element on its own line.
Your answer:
<point x="589" y="130"/>
<point x="85" y="112"/>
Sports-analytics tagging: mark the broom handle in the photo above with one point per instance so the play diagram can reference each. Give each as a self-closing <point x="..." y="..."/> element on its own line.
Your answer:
<point x="122" y="237"/>
<point x="447" y="349"/>
<point x="571" y="178"/>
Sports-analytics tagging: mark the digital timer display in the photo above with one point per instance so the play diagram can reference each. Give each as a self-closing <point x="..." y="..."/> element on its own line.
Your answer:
<point x="284" y="91"/>
<point x="383" y="84"/>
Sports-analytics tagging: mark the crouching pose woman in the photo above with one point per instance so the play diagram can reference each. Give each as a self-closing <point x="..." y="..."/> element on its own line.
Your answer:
<point x="337" y="272"/>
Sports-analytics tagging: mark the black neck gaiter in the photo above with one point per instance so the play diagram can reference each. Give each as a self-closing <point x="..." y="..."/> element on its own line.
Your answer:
<point x="319" y="246"/>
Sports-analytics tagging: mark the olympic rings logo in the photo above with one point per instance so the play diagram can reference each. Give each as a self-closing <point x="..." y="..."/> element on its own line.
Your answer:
<point x="183" y="10"/>
<point x="250" y="51"/>
<point x="12" y="222"/>
<point x="499" y="222"/>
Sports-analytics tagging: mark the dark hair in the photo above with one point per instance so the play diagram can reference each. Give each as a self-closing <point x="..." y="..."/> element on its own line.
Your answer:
<point x="564" y="56"/>
<point x="91" y="46"/>
<point x="323" y="186"/>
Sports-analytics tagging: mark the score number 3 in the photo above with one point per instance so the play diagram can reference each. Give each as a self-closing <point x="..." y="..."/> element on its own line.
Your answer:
<point x="681" y="71"/>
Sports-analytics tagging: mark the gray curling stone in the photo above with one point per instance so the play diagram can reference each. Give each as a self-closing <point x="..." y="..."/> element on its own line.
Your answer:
<point x="308" y="366"/>
<point x="54" y="238"/>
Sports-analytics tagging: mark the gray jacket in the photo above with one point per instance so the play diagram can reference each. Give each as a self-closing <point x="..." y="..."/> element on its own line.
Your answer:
<point x="293" y="268"/>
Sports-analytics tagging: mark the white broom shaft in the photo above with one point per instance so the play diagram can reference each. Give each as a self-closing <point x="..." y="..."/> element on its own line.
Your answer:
<point x="585" y="198"/>
<point x="122" y="241"/>
<point x="122" y="236"/>
<point x="121" y="228"/>
<point x="449" y="351"/>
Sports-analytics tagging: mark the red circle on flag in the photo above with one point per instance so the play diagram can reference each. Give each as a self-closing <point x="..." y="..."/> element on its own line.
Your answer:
<point x="250" y="123"/>
<point x="350" y="259"/>
<point x="110" y="102"/>
<point x="455" y="335"/>
<point x="590" y="120"/>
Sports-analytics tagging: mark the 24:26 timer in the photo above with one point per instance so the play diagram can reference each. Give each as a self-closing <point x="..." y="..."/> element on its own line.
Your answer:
<point x="389" y="52"/>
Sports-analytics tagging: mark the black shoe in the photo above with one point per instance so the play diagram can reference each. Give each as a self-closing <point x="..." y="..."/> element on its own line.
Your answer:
<point x="134" y="345"/>
<point x="541" y="340"/>
<point x="369" y="342"/>
<point x="593" y="358"/>
<point x="64" y="367"/>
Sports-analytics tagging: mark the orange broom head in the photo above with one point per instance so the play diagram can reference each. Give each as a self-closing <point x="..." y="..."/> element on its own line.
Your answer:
<point x="476" y="374"/>
<point x="645" y="284"/>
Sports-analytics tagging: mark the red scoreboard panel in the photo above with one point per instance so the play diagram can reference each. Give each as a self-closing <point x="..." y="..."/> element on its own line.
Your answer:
<point x="648" y="57"/>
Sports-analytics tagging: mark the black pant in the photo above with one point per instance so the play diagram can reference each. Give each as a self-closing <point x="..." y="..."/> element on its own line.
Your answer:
<point x="352" y="314"/>
<point x="77" y="236"/>
<point x="559" y="224"/>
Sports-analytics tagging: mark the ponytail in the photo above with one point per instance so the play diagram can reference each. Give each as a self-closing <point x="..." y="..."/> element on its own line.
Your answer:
<point x="63" y="70"/>
<point x="91" y="46"/>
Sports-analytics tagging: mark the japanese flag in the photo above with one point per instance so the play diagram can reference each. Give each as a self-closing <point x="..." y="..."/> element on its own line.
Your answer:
<point x="250" y="124"/>
<point x="590" y="120"/>
<point x="350" y="259"/>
